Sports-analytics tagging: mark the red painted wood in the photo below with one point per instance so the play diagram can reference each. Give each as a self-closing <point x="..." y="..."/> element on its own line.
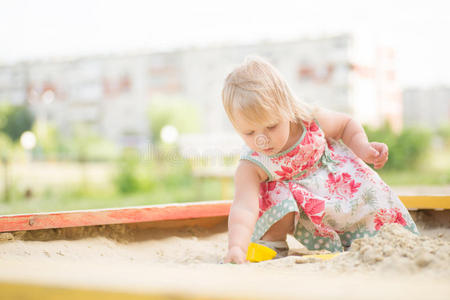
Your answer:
<point x="114" y="216"/>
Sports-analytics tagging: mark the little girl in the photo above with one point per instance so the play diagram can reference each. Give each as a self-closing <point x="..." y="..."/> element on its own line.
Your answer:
<point x="302" y="170"/>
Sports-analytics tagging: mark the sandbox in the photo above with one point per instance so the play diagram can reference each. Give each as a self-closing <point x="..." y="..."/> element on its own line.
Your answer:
<point x="181" y="259"/>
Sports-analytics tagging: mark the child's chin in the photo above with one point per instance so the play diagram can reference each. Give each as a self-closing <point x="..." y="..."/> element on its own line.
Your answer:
<point x="269" y="151"/>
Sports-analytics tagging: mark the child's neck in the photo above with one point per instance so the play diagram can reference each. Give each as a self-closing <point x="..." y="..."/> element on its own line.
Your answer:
<point x="295" y="132"/>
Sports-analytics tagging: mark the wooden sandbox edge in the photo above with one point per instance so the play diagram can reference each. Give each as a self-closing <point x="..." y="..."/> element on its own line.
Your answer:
<point x="165" y="216"/>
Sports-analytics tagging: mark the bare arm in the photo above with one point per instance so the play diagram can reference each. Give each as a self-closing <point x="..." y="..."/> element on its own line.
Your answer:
<point x="244" y="211"/>
<point x="338" y="126"/>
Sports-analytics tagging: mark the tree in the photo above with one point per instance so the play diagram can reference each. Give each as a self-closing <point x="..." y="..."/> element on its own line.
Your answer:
<point x="14" y="120"/>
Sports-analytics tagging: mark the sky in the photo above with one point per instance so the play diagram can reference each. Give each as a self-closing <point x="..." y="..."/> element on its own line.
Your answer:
<point x="42" y="29"/>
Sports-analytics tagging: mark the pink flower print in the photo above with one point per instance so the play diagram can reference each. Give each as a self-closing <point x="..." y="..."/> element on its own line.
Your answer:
<point x="319" y="142"/>
<point x="264" y="195"/>
<point x="297" y="162"/>
<point x="346" y="177"/>
<point x="342" y="184"/>
<point x="352" y="186"/>
<point x="313" y="126"/>
<point x="314" y="208"/>
<point x="388" y="216"/>
<point x="280" y="193"/>
<point x="308" y="164"/>
<point x="385" y="187"/>
<point x="354" y="161"/>
<point x="339" y="158"/>
<point x="363" y="172"/>
<point x="298" y="192"/>
<point x="255" y="153"/>
<point x="285" y="173"/>
<point x="329" y="145"/>
<point x="293" y="152"/>
<point x="277" y="160"/>
<point x="298" y="196"/>
<point x="323" y="231"/>
<point x="306" y="155"/>
<point x="308" y="139"/>
<point x="332" y="183"/>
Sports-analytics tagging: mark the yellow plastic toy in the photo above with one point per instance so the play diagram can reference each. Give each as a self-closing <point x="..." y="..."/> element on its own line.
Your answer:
<point x="257" y="253"/>
<point x="323" y="256"/>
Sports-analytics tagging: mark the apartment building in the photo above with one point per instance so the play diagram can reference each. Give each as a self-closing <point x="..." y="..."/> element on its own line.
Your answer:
<point x="428" y="107"/>
<point x="112" y="93"/>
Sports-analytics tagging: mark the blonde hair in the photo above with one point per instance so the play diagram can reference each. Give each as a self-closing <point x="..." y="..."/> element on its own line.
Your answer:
<point x="258" y="91"/>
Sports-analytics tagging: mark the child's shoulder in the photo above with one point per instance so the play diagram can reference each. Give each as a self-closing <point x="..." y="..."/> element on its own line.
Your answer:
<point x="331" y="122"/>
<point x="247" y="168"/>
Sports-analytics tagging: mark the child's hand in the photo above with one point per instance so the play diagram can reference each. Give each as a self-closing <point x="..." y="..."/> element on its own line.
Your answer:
<point x="375" y="153"/>
<point x="235" y="255"/>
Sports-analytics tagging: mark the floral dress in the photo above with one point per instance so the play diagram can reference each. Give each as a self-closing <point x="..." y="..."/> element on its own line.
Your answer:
<point x="336" y="197"/>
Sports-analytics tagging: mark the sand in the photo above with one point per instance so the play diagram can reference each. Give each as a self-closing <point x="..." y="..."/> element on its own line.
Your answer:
<point x="394" y="264"/>
<point x="396" y="250"/>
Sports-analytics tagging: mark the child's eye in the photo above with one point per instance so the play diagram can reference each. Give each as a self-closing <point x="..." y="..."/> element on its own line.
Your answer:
<point x="249" y="133"/>
<point x="272" y="127"/>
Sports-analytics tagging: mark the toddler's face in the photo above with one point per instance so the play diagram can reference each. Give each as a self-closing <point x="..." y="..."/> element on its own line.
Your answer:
<point x="269" y="138"/>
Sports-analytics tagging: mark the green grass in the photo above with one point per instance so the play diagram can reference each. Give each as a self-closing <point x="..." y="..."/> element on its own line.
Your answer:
<point x="173" y="186"/>
<point x="419" y="177"/>
<point x="76" y="198"/>
<point x="433" y="170"/>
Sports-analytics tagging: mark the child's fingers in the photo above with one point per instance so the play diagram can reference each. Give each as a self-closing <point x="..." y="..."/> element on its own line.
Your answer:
<point x="374" y="153"/>
<point x="227" y="259"/>
<point x="384" y="150"/>
<point x="371" y="156"/>
<point x="380" y="159"/>
<point x="379" y="163"/>
<point x="383" y="154"/>
<point x="380" y="147"/>
<point x="234" y="260"/>
<point x="375" y="157"/>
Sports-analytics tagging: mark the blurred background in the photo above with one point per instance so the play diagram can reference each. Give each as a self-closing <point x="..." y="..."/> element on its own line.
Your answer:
<point x="117" y="103"/>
